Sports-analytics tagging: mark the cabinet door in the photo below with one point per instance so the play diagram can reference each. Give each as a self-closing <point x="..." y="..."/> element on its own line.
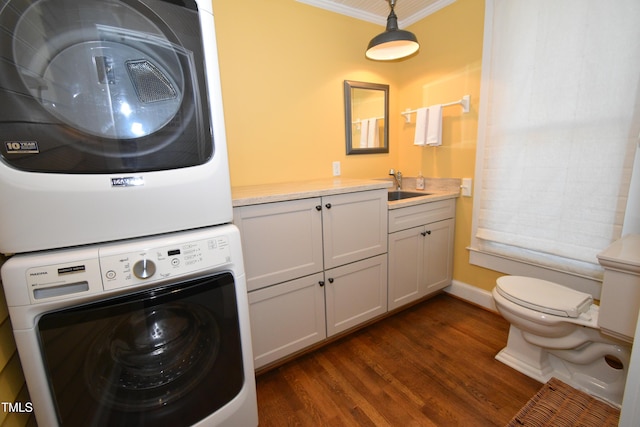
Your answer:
<point x="406" y="266"/>
<point x="438" y="255"/>
<point x="355" y="293"/>
<point x="354" y="226"/>
<point x="280" y="241"/>
<point x="286" y="318"/>
<point x="420" y="262"/>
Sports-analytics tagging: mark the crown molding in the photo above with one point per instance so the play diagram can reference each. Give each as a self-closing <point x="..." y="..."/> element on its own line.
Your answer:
<point x="423" y="13"/>
<point x="346" y="10"/>
<point x="375" y="18"/>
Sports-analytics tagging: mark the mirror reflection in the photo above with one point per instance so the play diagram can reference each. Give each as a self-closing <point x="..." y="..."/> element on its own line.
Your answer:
<point x="366" y="117"/>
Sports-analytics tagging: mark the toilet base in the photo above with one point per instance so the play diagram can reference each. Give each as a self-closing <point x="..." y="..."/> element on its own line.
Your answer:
<point x="596" y="377"/>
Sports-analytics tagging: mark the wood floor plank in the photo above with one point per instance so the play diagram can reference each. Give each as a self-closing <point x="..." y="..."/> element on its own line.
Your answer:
<point x="430" y="365"/>
<point x="376" y="383"/>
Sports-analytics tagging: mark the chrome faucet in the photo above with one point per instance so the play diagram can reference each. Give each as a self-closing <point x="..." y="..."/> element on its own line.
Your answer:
<point x="397" y="176"/>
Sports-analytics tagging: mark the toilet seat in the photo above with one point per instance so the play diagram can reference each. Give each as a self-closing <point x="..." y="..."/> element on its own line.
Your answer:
<point x="543" y="296"/>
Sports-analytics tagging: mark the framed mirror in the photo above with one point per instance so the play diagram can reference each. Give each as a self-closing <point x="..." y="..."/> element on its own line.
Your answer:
<point x="366" y="111"/>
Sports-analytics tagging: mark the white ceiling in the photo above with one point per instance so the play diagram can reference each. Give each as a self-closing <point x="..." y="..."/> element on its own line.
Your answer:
<point x="376" y="11"/>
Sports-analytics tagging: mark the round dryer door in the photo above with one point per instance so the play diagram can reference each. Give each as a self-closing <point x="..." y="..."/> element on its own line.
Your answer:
<point x="104" y="79"/>
<point x="97" y="81"/>
<point x="119" y="91"/>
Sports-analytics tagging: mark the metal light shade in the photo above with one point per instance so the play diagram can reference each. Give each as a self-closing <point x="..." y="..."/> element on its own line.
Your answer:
<point x="393" y="43"/>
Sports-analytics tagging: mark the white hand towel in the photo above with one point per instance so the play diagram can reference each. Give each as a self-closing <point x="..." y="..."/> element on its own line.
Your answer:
<point x="364" y="133"/>
<point x="372" y="133"/>
<point x="434" y="125"/>
<point x="421" y="126"/>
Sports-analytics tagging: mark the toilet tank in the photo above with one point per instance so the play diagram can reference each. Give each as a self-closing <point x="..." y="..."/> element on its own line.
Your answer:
<point x="620" y="297"/>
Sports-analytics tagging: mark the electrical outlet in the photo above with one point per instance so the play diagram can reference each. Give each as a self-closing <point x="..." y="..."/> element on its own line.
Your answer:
<point x="336" y="168"/>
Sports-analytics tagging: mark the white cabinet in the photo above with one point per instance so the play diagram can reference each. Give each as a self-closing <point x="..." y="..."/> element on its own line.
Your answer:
<point x="354" y="226"/>
<point x="287" y="318"/>
<point x="291" y="316"/>
<point x="280" y="241"/>
<point x="420" y="251"/>
<point x="355" y="293"/>
<point x="315" y="267"/>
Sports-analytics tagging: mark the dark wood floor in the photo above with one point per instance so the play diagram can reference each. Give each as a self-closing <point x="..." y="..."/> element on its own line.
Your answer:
<point x="431" y="365"/>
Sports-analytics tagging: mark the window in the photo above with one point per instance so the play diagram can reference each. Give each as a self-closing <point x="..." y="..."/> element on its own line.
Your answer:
<point x="559" y="125"/>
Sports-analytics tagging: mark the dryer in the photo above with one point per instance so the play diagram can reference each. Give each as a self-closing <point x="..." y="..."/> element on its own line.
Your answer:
<point x="112" y="124"/>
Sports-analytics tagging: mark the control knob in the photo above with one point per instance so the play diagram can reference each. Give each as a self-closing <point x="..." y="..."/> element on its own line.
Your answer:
<point x="144" y="269"/>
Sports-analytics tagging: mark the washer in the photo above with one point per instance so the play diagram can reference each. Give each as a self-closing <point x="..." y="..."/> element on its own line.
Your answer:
<point x="151" y="331"/>
<point x="112" y="122"/>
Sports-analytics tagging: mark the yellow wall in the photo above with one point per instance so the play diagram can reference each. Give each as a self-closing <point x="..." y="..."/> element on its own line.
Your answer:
<point x="282" y="65"/>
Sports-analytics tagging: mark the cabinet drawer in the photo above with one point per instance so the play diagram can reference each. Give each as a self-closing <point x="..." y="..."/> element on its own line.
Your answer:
<point x="414" y="216"/>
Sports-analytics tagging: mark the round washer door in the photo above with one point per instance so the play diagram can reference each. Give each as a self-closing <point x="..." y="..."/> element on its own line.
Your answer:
<point x="169" y="355"/>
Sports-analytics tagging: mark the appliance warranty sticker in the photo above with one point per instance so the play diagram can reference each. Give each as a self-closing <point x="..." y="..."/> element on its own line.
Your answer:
<point x="21" y="147"/>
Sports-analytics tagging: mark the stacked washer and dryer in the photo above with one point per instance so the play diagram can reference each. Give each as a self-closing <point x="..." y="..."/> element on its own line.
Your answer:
<point x="125" y="281"/>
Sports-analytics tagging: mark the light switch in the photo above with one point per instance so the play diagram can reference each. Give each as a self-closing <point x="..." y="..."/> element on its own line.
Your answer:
<point x="466" y="187"/>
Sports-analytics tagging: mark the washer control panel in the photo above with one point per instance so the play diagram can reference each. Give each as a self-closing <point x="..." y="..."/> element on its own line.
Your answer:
<point x="86" y="272"/>
<point x="146" y="265"/>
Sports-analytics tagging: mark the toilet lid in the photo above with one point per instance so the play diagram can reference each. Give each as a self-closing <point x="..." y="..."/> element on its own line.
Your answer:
<point x="543" y="296"/>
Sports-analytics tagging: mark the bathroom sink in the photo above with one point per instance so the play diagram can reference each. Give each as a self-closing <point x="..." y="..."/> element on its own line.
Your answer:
<point x="400" y="195"/>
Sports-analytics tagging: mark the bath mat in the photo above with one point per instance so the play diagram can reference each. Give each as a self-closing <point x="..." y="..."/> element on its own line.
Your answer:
<point x="560" y="405"/>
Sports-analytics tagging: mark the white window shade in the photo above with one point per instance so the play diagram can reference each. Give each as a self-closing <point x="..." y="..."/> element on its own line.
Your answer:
<point x="560" y="129"/>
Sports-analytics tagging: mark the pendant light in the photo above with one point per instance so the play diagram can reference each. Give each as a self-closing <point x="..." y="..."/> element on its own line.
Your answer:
<point x="393" y="43"/>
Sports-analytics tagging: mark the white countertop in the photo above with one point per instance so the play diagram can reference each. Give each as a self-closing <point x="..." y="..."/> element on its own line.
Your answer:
<point x="278" y="192"/>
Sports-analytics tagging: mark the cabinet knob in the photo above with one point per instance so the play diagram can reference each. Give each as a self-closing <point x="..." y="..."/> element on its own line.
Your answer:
<point x="328" y="205"/>
<point x="330" y="279"/>
<point x="424" y="233"/>
<point x="321" y="283"/>
<point x="319" y="207"/>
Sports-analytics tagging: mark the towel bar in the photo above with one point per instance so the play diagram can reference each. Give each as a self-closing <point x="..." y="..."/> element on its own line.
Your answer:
<point x="464" y="102"/>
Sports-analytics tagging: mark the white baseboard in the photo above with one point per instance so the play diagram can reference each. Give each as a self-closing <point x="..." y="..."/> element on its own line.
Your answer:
<point x="472" y="294"/>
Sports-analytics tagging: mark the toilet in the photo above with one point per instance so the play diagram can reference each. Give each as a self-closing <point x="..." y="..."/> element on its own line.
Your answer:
<point x="559" y="332"/>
